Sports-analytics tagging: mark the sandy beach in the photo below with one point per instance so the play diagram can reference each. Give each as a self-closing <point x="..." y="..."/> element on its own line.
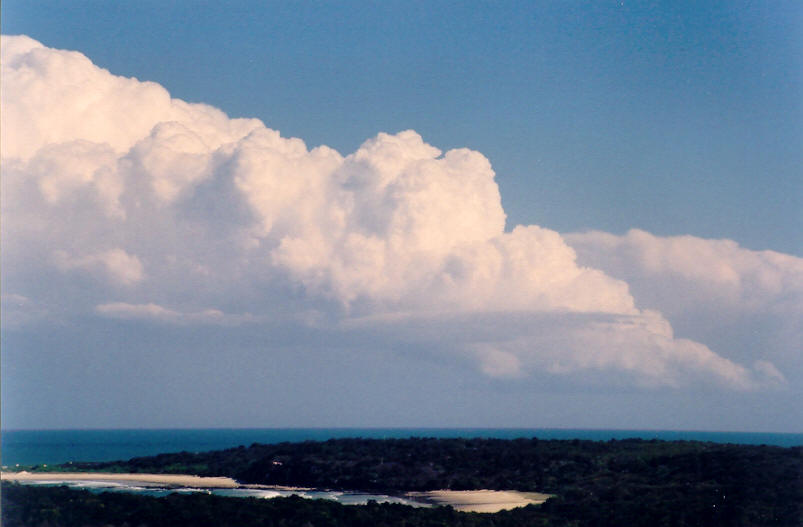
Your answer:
<point x="178" y="480"/>
<point x="480" y="500"/>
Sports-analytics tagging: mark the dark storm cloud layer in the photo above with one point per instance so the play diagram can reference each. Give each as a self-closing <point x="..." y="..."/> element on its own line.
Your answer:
<point x="122" y="203"/>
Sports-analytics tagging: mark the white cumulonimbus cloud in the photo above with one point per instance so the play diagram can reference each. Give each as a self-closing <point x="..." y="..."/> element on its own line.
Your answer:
<point x="168" y="209"/>
<point x="678" y="272"/>
<point x="750" y="302"/>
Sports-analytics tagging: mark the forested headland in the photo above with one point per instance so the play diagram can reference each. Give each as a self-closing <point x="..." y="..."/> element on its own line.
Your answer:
<point x="627" y="482"/>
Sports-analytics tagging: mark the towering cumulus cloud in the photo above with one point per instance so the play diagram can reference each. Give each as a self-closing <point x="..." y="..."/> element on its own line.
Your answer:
<point x="121" y="202"/>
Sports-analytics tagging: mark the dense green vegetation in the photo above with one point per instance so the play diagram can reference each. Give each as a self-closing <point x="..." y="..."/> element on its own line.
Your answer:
<point x="632" y="482"/>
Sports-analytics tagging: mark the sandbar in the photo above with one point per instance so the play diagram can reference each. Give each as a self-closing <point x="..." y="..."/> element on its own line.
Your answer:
<point x="178" y="480"/>
<point x="480" y="500"/>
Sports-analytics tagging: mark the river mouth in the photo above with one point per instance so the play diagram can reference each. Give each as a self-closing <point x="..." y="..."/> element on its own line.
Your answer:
<point x="161" y="485"/>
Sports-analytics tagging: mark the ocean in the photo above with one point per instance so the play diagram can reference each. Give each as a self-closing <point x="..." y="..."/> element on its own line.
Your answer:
<point x="36" y="447"/>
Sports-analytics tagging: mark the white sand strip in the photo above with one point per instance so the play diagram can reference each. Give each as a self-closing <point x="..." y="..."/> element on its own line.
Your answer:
<point x="480" y="500"/>
<point x="179" y="480"/>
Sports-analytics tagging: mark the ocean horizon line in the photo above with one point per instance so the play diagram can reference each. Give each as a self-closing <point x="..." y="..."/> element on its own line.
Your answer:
<point x="405" y="428"/>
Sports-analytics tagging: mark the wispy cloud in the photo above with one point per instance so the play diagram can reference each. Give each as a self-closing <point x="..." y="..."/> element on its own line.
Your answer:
<point x="116" y="264"/>
<point x="155" y="312"/>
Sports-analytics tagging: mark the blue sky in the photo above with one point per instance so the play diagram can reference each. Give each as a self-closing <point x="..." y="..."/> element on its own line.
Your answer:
<point x="673" y="117"/>
<point x="658" y="142"/>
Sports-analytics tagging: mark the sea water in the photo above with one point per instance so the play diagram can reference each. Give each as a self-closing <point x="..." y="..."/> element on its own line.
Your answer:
<point x="37" y="447"/>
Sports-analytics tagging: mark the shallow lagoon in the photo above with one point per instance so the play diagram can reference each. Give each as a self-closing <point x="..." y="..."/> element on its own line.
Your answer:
<point x="152" y="489"/>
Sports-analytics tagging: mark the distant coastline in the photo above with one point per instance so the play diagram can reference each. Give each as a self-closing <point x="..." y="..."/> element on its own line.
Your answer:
<point x="618" y="482"/>
<point x="36" y="447"/>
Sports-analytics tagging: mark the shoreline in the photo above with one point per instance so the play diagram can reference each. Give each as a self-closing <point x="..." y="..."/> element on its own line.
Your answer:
<point x="484" y="500"/>
<point x="178" y="480"/>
